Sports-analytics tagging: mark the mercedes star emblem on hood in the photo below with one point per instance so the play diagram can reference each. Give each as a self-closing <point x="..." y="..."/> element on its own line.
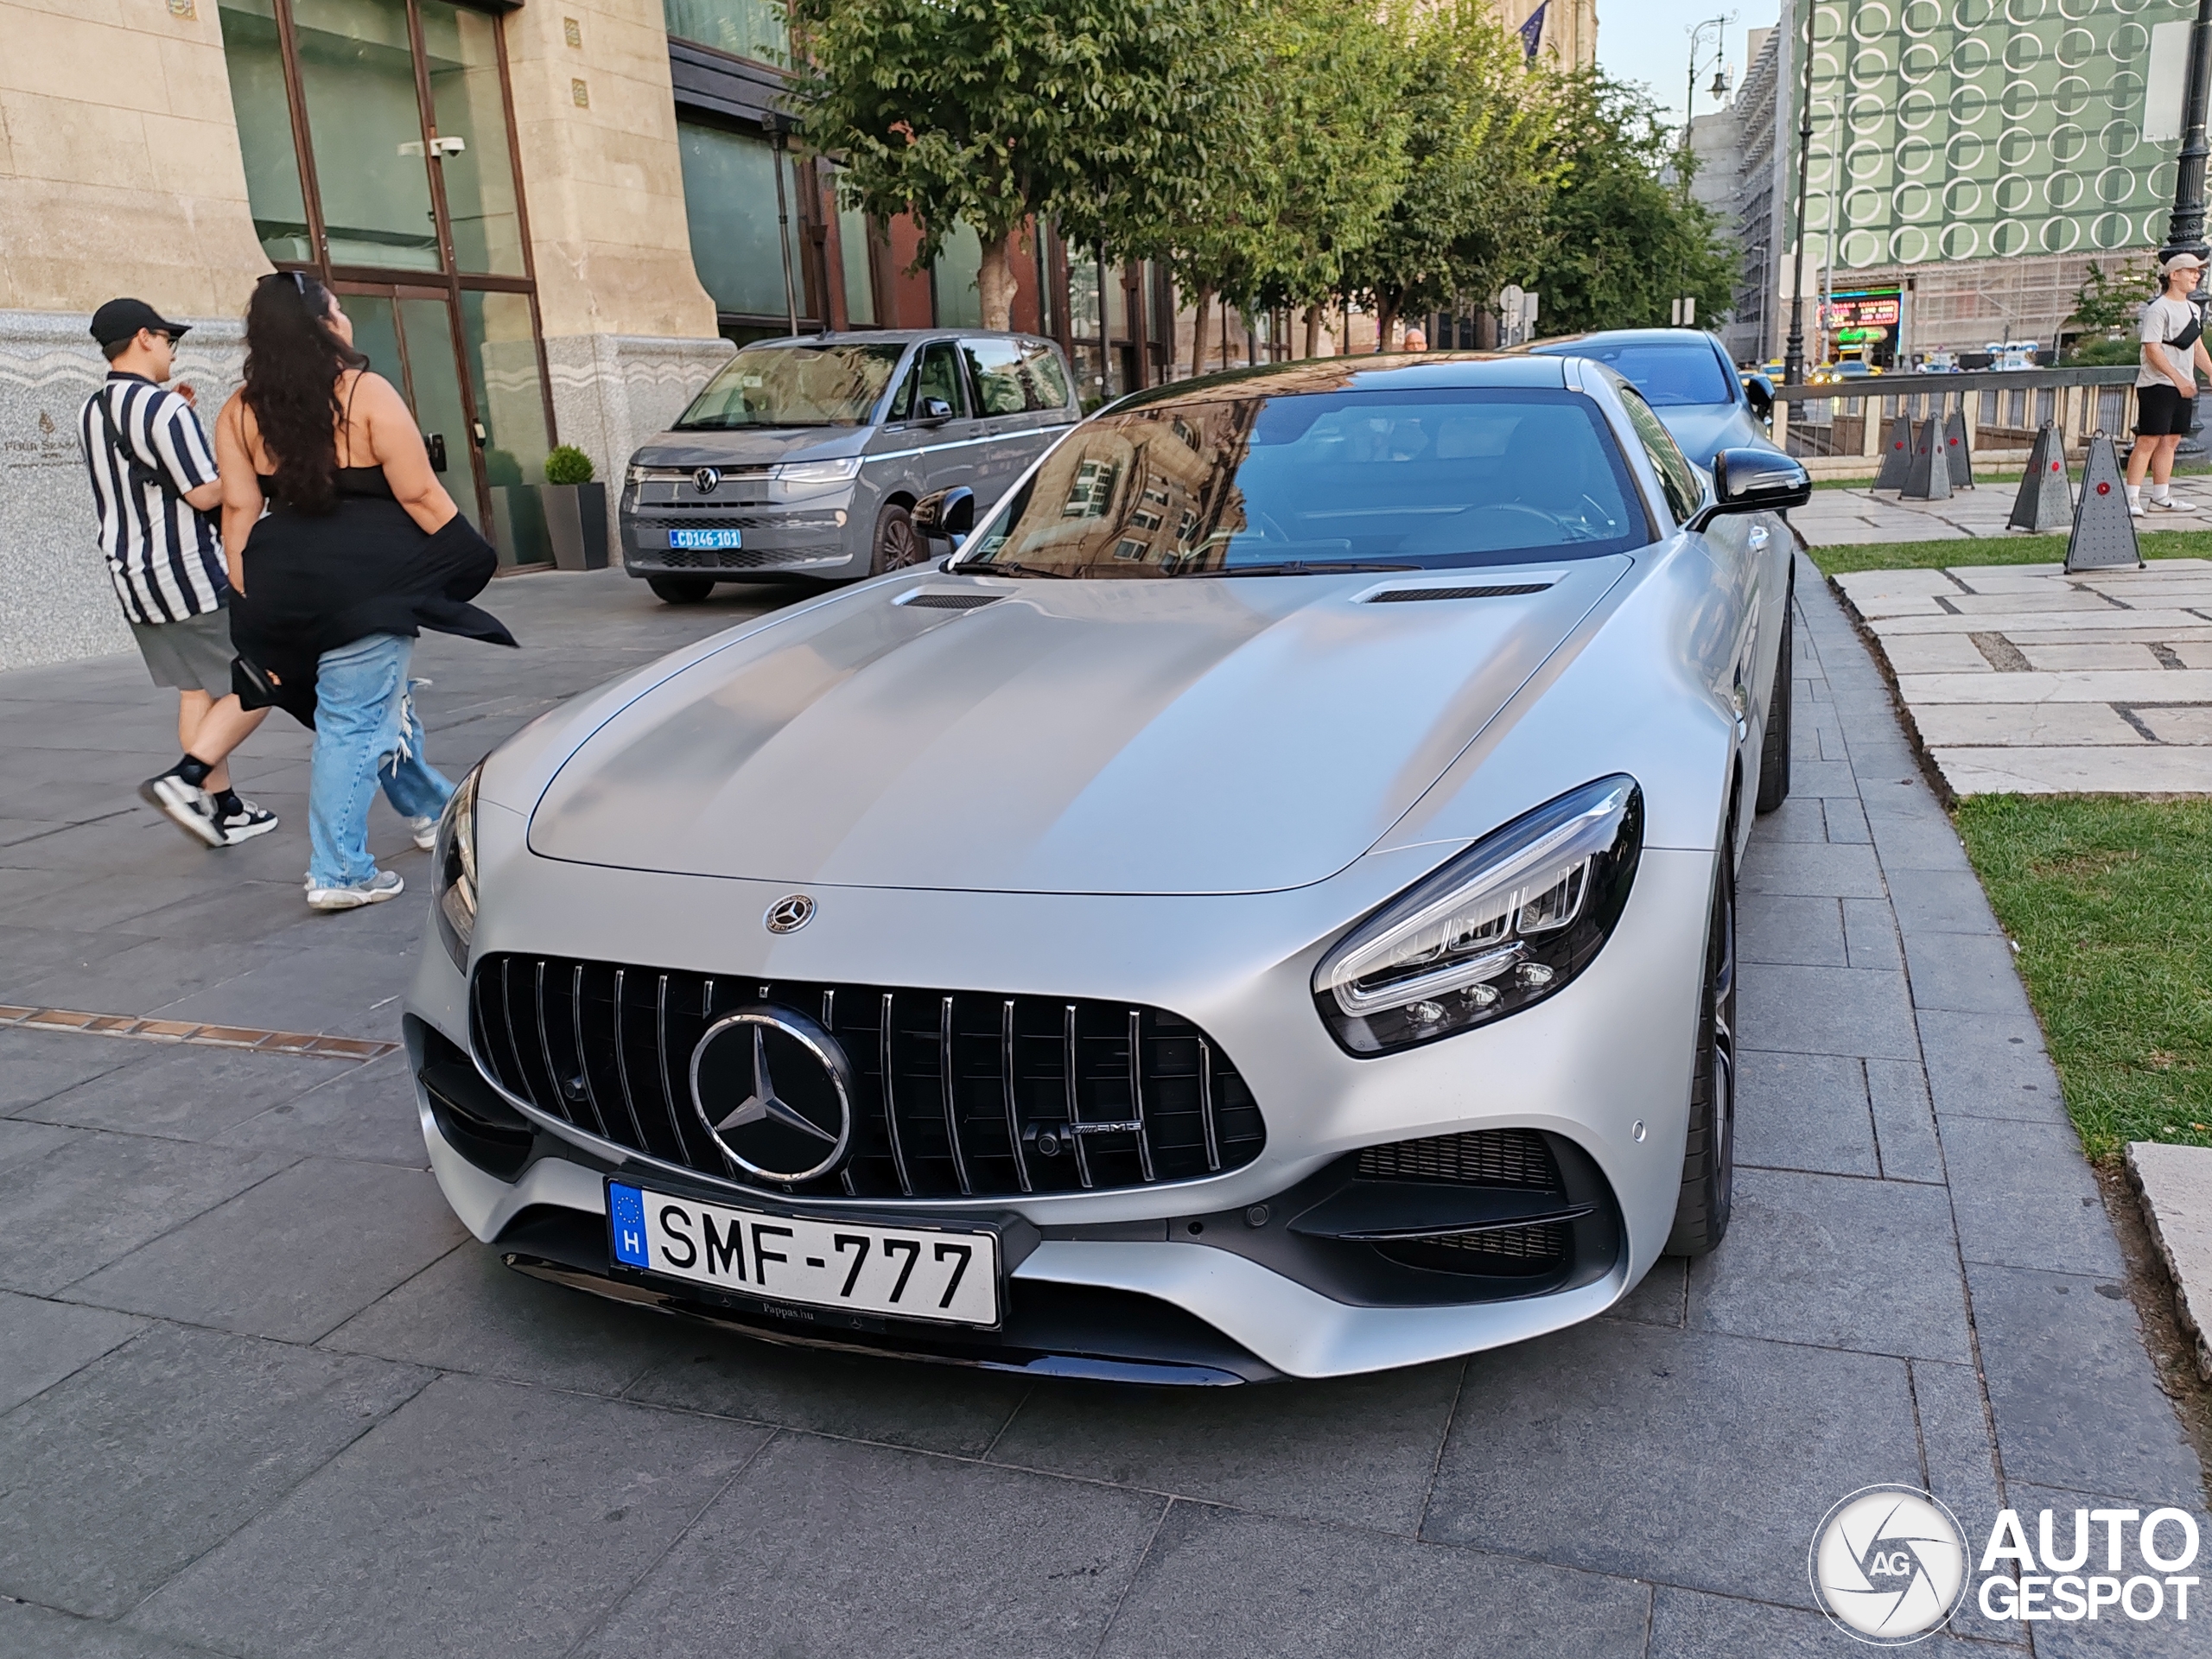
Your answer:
<point x="776" y="1091"/>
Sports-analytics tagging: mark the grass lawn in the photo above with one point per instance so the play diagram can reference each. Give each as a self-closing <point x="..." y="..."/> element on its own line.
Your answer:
<point x="2110" y="901"/>
<point x="1995" y="549"/>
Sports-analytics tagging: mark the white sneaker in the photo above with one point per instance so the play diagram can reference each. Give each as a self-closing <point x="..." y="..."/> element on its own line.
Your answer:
<point x="2172" y="504"/>
<point x="249" y="820"/>
<point x="384" y="884"/>
<point x="191" y="808"/>
<point x="2135" y="508"/>
<point x="425" y="831"/>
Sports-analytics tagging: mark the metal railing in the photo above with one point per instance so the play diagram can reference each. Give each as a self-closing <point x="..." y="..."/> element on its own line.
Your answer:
<point x="2002" y="409"/>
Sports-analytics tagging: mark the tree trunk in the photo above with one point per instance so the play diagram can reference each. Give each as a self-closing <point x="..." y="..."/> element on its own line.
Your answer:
<point x="994" y="281"/>
<point x="1313" y="331"/>
<point x="1201" y="312"/>
<point x="1386" y="320"/>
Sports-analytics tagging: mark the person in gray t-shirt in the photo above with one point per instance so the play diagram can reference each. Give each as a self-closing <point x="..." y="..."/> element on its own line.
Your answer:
<point x="2165" y="385"/>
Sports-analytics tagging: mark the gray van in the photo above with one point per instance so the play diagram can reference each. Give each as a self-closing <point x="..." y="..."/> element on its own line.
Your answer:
<point x="805" y="457"/>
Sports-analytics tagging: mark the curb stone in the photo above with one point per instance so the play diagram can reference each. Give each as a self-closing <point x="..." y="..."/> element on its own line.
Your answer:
<point x="2176" y="1184"/>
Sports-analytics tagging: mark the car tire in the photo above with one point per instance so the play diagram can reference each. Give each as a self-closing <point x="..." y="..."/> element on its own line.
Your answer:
<point x="680" y="590"/>
<point x="1774" y="753"/>
<point x="1709" y="1153"/>
<point x="898" y="544"/>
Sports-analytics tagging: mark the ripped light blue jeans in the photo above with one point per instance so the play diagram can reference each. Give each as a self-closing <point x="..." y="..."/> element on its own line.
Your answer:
<point x="365" y="735"/>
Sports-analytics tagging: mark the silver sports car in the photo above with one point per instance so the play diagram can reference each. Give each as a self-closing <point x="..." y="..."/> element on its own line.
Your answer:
<point x="1264" y="905"/>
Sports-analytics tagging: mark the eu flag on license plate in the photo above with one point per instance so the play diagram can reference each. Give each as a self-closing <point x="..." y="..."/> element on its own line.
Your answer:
<point x="625" y="1214"/>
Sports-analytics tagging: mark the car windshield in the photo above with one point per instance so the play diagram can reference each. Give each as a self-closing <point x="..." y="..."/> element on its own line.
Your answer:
<point x="1284" y="485"/>
<point x="1666" y="373"/>
<point x="793" y="385"/>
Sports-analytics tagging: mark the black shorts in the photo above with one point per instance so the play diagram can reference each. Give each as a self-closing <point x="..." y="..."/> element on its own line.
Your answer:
<point x="2162" y="411"/>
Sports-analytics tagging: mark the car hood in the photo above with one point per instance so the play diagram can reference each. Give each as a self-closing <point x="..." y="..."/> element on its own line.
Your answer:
<point x="1165" y="736"/>
<point x="761" y="446"/>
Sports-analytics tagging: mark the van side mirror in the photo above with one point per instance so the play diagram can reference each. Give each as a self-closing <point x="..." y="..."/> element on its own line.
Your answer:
<point x="1759" y="391"/>
<point x="947" y="515"/>
<point x="935" y="409"/>
<point x="1754" y="481"/>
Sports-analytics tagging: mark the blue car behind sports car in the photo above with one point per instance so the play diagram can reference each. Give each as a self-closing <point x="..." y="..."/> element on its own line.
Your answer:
<point x="1686" y="377"/>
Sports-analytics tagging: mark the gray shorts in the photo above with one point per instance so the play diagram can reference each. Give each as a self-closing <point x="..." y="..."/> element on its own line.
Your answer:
<point x="194" y="655"/>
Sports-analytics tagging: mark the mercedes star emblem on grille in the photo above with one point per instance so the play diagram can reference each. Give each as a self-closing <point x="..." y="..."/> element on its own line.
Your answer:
<point x="706" y="480"/>
<point x="790" y="914"/>
<point x="775" y="1090"/>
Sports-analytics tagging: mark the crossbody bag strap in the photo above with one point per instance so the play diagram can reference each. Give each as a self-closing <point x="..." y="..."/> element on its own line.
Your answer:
<point x="141" y="472"/>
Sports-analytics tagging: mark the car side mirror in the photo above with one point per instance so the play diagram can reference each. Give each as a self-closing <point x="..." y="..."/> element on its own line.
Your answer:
<point x="1759" y="391"/>
<point x="935" y="409"/>
<point x="1754" y="481"/>
<point x="947" y="515"/>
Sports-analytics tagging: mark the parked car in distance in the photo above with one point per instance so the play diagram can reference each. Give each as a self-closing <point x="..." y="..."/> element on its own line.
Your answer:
<point x="806" y="457"/>
<point x="1848" y="368"/>
<point x="1685" y="376"/>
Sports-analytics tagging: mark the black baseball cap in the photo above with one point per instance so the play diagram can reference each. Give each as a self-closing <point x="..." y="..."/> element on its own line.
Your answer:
<point x="121" y="320"/>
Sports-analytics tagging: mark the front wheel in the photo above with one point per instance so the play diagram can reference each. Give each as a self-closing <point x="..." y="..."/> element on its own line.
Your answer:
<point x="898" y="543"/>
<point x="680" y="590"/>
<point x="1709" y="1154"/>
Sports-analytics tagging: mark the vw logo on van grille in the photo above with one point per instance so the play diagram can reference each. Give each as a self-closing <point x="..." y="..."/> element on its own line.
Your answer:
<point x="706" y="480"/>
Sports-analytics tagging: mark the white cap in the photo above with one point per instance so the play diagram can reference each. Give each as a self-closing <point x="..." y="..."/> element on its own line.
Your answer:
<point x="2181" y="262"/>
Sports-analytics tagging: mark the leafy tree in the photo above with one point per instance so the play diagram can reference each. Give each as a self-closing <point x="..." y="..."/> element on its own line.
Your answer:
<point x="1479" y="167"/>
<point x="1620" y="241"/>
<point x="2105" y="308"/>
<point x="992" y="113"/>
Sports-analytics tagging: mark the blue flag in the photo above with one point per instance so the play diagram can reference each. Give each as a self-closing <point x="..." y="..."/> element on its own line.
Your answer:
<point x="1532" y="31"/>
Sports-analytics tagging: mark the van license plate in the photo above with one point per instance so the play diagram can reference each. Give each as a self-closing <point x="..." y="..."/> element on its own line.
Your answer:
<point x="706" y="539"/>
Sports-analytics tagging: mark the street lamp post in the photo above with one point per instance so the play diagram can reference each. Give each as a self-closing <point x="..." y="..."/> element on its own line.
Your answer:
<point x="2185" y="228"/>
<point x="1793" y="359"/>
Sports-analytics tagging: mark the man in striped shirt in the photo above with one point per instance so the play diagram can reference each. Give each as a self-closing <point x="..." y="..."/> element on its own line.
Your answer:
<point x="154" y="483"/>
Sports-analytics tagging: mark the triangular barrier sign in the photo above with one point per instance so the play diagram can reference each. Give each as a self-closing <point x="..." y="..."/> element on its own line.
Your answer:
<point x="2104" y="532"/>
<point x="1957" y="451"/>
<point x="1928" y="478"/>
<point x="1896" y="456"/>
<point x="2044" y="502"/>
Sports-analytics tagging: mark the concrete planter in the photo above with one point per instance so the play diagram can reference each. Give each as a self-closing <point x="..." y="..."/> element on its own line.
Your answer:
<point x="575" y="523"/>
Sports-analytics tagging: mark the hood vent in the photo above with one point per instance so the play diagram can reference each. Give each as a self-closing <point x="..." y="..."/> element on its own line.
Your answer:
<point x="1411" y="596"/>
<point x="927" y="601"/>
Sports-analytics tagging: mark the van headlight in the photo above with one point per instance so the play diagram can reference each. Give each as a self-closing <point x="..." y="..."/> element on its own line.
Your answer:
<point x="1505" y="924"/>
<point x="453" y="896"/>
<point x="816" y="475"/>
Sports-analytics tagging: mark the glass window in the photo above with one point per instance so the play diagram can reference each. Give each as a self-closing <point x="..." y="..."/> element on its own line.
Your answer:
<point x="1420" y="479"/>
<point x="995" y="366"/>
<point x="938" y="375"/>
<point x="958" y="304"/>
<point x="471" y="148"/>
<point x="497" y="332"/>
<point x="256" y="62"/>
<point x="729" y="197"/>
<point x="794" y="386"/>
<point x="1676" y="476"/>
<point x="1040" y="366"/>
<point x="1666" y="375"/>
<point x="860" y="284"/>
<point x="749" y="28"/>
<point x="358" y="76"/>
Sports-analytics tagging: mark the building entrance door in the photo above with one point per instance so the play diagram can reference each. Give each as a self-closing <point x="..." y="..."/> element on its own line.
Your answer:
<point x="408" y="335"/>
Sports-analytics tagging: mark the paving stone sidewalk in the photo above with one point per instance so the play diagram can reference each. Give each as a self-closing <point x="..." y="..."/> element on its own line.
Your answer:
<point x="259" y="1396"/>
<point x="2023" y="679"/>
<point x="1844" y="514"/>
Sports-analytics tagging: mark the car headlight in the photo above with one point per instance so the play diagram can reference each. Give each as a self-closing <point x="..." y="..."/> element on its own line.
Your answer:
<point x="1505" y="924"/>
<point x="452" y="897"/>
<point x="810" y="473"/>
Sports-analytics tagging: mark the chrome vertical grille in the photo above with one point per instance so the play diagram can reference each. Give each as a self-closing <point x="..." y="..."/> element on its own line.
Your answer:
<point x="960" y="1094"/>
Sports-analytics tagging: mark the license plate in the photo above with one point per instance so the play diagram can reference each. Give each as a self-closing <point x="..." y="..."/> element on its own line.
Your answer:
<point x="855" y="1267"/>
<point x="706" y="539"/>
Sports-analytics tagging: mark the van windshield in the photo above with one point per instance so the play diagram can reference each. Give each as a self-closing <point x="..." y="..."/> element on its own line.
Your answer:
<point x="1281" y="485"/>
<point x="794" y="386"/>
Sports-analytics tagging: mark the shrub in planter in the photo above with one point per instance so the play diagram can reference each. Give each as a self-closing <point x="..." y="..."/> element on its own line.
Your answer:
<point x="576" y="511"/>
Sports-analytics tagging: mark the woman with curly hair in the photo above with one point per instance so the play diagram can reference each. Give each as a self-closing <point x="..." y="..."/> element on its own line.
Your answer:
<point x="341" y="544"/>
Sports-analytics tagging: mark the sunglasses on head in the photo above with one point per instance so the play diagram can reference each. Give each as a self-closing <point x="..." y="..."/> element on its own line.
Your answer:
<point x="297" y="278"/>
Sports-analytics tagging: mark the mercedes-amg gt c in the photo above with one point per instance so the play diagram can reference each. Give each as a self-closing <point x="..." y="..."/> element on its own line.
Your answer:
<point x="1263" y="906"/>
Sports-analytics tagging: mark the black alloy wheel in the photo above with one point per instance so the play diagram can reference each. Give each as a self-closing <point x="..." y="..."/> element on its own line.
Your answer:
<point x="680" y="590"/>
<point x="1709" y="1154"/>
<point x="898" y="543"/>
<point x="1774" y="752"/>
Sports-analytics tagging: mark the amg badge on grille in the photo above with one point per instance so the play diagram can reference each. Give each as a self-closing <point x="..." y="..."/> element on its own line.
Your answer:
<point x="776" y="1091"/>
<point x="788" y="915"/>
